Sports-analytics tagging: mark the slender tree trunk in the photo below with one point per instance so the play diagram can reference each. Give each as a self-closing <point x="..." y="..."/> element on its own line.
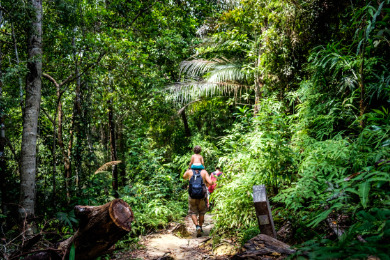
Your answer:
<point x="77" y="113"/>
<point x="66" y="151"/>
<point x="258" y="85"/>
<point x="76" y="128"/>
<point x="111" y="125"/>
<point x="122" y="166"/>
<point x="68" y="162"/>
<point x="185" y="122"/>
<point x="362" y="106"/>
<point x="3" y="162"/>
<point x="54" y="161"/>
<point x="17" y="62"/>
<point x="31" y="114"/>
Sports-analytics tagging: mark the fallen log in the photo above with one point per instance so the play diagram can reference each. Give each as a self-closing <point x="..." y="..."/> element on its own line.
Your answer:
<point x="100" y="228"/>
<point x="264" y="247"/>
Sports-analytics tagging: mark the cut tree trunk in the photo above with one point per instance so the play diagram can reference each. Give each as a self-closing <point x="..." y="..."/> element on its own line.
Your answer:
<point x="100" y="228"/>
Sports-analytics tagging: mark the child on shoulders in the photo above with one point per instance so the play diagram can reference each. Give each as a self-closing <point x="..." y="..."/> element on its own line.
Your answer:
<point x="197" y="162"/>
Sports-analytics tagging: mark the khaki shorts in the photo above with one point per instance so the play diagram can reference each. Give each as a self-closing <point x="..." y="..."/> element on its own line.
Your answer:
<point x="197" y="206"/>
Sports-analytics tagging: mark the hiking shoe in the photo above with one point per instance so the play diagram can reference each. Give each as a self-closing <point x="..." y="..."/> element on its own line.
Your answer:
<point x="198" y="231"/>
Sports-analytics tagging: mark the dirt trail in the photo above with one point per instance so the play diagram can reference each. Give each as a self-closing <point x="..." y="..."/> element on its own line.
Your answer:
<point x="179" y="242"/>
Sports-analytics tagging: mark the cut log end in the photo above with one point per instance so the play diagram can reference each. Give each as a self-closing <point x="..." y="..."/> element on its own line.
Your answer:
<point x="121" y="214"/>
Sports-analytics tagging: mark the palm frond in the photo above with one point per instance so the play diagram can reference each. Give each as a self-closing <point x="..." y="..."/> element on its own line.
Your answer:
<point x="206" y="78"/>
<point x="184" y="92"/>
<point x="227" y="73"/>
<point x="105" y="166"/>
<point x="197" y="67"/>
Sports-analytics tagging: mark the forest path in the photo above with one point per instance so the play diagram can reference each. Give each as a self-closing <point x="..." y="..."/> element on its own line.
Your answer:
<point x="178" y="242"/>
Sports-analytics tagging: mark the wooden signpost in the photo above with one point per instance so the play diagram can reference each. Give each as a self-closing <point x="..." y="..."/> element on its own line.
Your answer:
<point x="263" y="211"/>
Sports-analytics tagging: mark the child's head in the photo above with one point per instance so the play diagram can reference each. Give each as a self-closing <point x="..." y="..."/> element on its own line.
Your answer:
<point x="217" y="168"/>
<point x="197" y="149"/>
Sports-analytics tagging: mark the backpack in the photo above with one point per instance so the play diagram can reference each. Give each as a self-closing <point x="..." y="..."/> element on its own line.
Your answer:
<point x="197" y="189"/>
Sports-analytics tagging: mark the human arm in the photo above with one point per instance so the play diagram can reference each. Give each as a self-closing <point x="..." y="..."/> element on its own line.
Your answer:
<point x="207" y="178"/>
<point x="191" y="162"/>
<point x="186" y="175"/>
<point x="202" y="162"/>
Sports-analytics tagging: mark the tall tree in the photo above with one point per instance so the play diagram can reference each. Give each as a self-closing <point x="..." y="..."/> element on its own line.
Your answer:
<point x="111" y="125"/>
<point x="28" y="160"/>
<point x="3" y="164"/>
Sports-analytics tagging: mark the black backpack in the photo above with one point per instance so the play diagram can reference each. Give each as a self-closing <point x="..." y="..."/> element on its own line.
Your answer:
<point x="197" y="189"/>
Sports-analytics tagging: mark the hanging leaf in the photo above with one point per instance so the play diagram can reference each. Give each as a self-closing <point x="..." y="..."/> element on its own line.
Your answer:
<point x="72" y="253"/>
<point x="364" y="190"/>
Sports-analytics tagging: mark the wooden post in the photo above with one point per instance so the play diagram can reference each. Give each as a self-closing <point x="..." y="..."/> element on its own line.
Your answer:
<point x="263" y="211"/>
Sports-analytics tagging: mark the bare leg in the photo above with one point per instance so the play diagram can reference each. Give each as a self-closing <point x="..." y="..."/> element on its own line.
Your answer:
<point x="195" y="219"/>
<point x="201" y="219"/>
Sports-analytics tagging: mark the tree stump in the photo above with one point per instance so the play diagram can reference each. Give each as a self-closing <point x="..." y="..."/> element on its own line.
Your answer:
<point x="100" y="228"/>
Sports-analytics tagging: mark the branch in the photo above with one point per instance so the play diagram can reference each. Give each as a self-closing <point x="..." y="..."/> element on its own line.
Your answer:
<point x="141" y="11"/>
<point x="51" y="79"/>
<point x="66" y="80"/>
<point x="91" y="65"/>
<point x="6" y="41"/>
<point x="72" y="77"/>
<point x="48" y="116"/>
<point x="183" y="108"/>
<point x="5" y="33"/>
<point x="3" y="9"/>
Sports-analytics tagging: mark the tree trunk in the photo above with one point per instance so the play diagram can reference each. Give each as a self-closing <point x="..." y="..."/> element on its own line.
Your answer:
<point x="111" y="125"/>
<point x="122" y="167"/>
<point x="67" y="166"/>
<point x="185" y="122"/>
<point x="362" y="106"/>
<point x="258" y="85"/>
<point x="54" y="161"/>
<point x="17" y="62"/>
<point x="77" y="113"/>
<point x="3" y="162"/>
<point x="99" y="228"/>
<point x="31" y="114"/>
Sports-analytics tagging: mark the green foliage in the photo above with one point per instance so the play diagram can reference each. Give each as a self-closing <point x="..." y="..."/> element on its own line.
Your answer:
<point x="248" y="234"/>
<point x="372" y="225"/>
<point x="72" y="252"/>
<point x="67" y="218"/>
<point x="156" y="193"/>
<point x="320" y="141"/>
<point x="341" y="177"/>
<point x="260" y="156"/>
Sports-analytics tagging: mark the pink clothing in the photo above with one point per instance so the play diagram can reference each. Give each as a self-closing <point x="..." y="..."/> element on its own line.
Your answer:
<point x="213" y="178"/>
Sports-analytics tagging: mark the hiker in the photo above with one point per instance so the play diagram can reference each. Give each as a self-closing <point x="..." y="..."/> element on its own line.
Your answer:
<point x="210" y="189"/>
<point x="197" y="162"/>
<point x="214" y="176"/>
<point x="197" y="192"/>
